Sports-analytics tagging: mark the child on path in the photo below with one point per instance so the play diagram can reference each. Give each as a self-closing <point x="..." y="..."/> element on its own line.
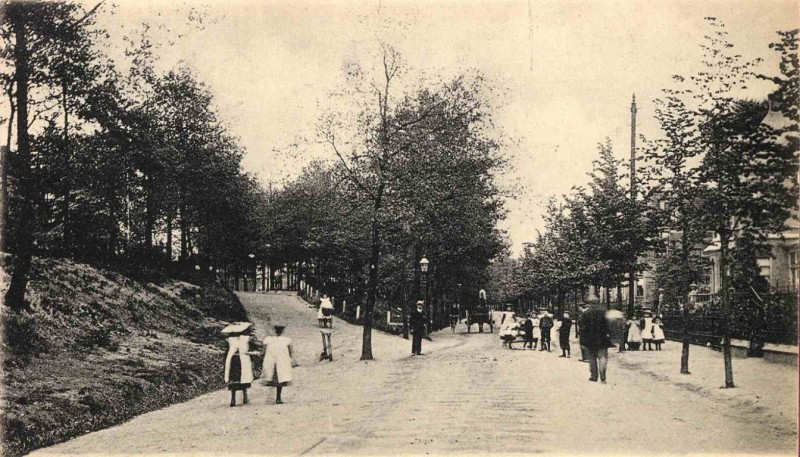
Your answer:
<point x="537" y="330"/>
<point x="634" y="335"/>
<point x="278" y="361"/>
<point x="528" y="326"/>
<point x="238" y="365"/>
<point x="647" y="332"/>
<point x="658" y="332"/>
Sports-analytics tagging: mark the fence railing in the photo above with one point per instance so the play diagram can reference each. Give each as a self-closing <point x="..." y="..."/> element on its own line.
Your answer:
<point x="766" y="318"/>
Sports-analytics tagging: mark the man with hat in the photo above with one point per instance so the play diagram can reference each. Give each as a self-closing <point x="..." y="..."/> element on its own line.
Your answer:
<point x="546" y="323"/>
<point x="416" y="324"/>
<point x="595" y="340"/>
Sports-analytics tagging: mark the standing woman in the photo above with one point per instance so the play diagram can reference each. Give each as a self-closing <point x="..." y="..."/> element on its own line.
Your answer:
<point x="278" y="361"/>
<point x="238" y="365"/>
<point x="634" y="334"/>
<point x="658" y="332"/>
<point x="537" y="330"/>
<point x="647" y="332"/>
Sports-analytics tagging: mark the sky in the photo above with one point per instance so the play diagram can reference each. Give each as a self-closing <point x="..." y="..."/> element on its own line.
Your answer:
<point x="567" y="69"/>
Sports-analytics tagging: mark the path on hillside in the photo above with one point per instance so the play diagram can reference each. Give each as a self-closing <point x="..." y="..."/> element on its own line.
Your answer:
<point x="467" y="394"/>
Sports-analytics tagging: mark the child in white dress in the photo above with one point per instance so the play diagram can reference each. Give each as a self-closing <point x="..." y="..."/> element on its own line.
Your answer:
<point x="278" y="361"/>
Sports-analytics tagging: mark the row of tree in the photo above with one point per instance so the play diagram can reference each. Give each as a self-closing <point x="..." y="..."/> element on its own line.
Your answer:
<point x="412" y="176"/>
<point x="110" y="165"/>
<point x="722" y="165"/>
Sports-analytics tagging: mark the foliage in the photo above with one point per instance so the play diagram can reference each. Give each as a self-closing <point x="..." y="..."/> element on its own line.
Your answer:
<point x="127" y="167"/>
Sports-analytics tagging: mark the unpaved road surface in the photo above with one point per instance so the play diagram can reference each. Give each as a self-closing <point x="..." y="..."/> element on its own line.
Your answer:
<point x="465" y="395"/>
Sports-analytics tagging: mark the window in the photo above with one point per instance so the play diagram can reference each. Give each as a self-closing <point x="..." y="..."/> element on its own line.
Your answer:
<point x="765" y="269"/>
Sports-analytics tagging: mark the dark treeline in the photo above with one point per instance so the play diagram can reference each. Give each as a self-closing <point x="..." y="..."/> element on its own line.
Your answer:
<point x="136" y="167"/>
<point x="112" y="166"/>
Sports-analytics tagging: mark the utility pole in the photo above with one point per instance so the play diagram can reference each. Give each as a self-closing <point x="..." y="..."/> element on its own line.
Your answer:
<point x="632" y="275"/>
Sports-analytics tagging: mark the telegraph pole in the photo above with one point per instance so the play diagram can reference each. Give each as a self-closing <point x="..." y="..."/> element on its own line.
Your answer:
<point x="632" y="274"/>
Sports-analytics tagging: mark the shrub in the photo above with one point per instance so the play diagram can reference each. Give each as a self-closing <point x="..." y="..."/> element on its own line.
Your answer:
<point x="22" y="339"/>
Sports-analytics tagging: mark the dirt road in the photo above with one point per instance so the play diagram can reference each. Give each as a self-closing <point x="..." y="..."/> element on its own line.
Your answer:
<point x="465" y="395"/>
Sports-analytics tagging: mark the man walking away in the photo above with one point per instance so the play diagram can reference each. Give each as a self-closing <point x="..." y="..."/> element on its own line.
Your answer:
<point x="546" y="323"/>
<point x="595" y="338"/>
<point x="416" y="323"/>
<point x="563" y="335"/>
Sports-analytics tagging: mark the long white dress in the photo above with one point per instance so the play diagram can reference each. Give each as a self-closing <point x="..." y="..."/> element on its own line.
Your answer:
<point x="239" y="344"/>
<point x="647" y="331"/>
<point x="634" y="332"/>
<point x="277" y="361"/>
<point x="658" y="333"/>
<point x="537" y="331"/>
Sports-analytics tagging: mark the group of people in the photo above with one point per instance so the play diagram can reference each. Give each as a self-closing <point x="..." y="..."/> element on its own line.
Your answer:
<point x="537" y="326"/>
<point x="644" y="332"/>
<point x="594" y="331"/>
<point x="277" y="366"/>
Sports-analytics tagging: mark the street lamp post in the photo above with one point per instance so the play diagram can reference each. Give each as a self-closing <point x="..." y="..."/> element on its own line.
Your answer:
<point x="423" y="267"/>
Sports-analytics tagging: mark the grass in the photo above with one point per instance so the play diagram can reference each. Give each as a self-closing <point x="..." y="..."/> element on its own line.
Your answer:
<point x="99" y="347"/>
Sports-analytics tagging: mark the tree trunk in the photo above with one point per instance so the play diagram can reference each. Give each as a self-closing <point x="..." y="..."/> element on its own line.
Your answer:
<point x="4" y="200"/>
<point x="3" y="197"/>
<point x="374" y="258"/>
<point x="625" y="333"/>
<point x="685" y="258"/>
<point x="726" y="334"/>
<point x="66" y="188"/>
<point x="685" y="347"/>
<point x="169" y="237"/>
<point x="23" y="231"/>
<point x="149" y="216"/>
<point x="184" y="226"/>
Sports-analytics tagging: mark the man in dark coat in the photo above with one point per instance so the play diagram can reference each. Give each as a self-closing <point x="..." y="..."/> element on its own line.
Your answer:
<point x="563" y="335"/>
<point x="546" y="324"/>
<point x="528" y="327"/>
<point x="596" y="340"/>
<point x="416" y="323"/>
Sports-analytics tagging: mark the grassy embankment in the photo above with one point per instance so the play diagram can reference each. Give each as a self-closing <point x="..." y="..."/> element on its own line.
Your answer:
<point x="100" y="347"/>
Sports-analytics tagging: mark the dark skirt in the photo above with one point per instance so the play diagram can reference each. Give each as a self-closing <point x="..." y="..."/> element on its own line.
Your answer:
<point x="235" y="375"/>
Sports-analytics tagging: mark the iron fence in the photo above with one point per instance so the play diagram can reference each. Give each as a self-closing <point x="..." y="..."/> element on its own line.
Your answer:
<point x="765" y="318"/>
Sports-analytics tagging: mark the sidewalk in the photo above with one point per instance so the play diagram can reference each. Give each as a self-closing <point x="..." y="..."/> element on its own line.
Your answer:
<point x="761" y="387"/>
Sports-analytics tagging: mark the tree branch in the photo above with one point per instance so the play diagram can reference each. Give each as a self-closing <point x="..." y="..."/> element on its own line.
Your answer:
<point x="350" y="172"/>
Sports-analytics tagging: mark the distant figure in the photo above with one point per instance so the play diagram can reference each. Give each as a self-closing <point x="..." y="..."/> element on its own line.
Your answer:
<point x="563" y="335"/>
<point x="416" y="324"/>
<point x="278" y="361"/>
<point x="455" y="313"/>
<point x="325" y="313"/>
<point x="546" y="323"/>
<point x="634" y="335"/>
<point x="238" y="365"/>
<point x="647" y="332"/>
<point x="595" y="340"/>
<point x="537" y="329"/>
<point x="527" y="326"/>
<point x="509" y="331"/>
<point x="658" y="332"/>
